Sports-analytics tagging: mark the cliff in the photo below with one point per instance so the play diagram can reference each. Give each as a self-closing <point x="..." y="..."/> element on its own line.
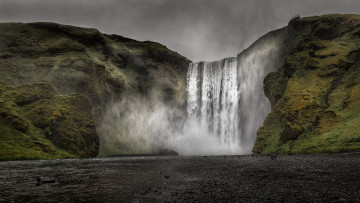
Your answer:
<point x="313" y="87"/>
<point x="38" y="123"/>
<point x="315" y="94"/>
<point x="107" y="69"/>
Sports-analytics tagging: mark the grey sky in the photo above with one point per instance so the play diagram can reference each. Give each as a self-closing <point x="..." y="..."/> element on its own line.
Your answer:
<point x="197" y="29"/>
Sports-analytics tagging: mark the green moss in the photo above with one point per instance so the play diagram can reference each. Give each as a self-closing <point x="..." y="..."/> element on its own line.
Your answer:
<point x="17" y="146"/>
<point x="28" y="114"/>
<point x="319" y="110"/>
<point x="104" y="68"/>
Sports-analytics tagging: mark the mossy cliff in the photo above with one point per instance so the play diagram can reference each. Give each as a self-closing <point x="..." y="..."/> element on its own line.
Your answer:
<point x="315" y="94"/>
<point x="37" y="123"/>
<point x="107" y="69"/>
<point x="74" y="59"/>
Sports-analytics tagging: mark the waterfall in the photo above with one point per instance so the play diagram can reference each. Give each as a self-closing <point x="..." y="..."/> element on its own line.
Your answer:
<point x="226" y="105"/>
<point x="213" y="98"/>
<point x="226" y="98"/>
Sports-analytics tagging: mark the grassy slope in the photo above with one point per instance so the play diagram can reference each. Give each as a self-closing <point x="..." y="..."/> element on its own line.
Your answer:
<point x="315" y="94"/>
<point x="37" y="123"/>
<point x="105" y="68"/>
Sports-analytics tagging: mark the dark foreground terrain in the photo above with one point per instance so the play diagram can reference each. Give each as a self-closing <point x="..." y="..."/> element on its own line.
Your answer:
<point x="301" y="178"/>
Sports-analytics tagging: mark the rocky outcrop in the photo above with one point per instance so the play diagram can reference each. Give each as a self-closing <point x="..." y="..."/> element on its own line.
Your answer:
<point x="38" y="123"/>
<point x="315" y="94"/>
<point x="107" y="69"/>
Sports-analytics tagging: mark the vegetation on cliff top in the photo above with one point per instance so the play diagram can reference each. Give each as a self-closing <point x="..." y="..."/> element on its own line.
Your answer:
<point x="315" y="95"/>
<point x="37" y="123"/>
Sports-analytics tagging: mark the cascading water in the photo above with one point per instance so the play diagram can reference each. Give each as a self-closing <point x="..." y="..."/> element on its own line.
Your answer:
<point x="226" y="98"/>
<point x="213" y="99"/>
<point x="226" y="105"/>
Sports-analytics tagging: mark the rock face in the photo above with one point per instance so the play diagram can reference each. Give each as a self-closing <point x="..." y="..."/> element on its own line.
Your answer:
<point x="315" y="95"/>
<point x="107" y="69"/>
<point x="37" y="123"/>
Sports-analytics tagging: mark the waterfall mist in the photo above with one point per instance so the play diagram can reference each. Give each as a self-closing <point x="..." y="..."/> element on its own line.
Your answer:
<point x="225" y="105"/>
<point x="148" y="128"/>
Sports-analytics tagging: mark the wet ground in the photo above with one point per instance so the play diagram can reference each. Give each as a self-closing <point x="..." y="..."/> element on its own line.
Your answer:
<point x="301" y="178"/>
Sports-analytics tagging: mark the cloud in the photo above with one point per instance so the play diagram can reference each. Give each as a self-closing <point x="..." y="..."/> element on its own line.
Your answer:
<point x="199" y="30"/>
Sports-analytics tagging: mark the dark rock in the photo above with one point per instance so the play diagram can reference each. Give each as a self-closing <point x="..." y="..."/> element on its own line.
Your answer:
<point x="312" y="64"/>
<point x="354" y="56"/>
<point x="291" y="131"/>
<point x="39" y="182"/>
<point x="166" y="152"/>
<point x="312" y="53"/>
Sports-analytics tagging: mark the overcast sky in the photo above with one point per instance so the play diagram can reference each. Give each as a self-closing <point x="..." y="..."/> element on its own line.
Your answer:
<point x="197" y="29"/>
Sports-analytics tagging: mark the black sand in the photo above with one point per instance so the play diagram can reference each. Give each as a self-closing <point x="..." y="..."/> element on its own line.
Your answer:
<point x="301" y="178"/>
